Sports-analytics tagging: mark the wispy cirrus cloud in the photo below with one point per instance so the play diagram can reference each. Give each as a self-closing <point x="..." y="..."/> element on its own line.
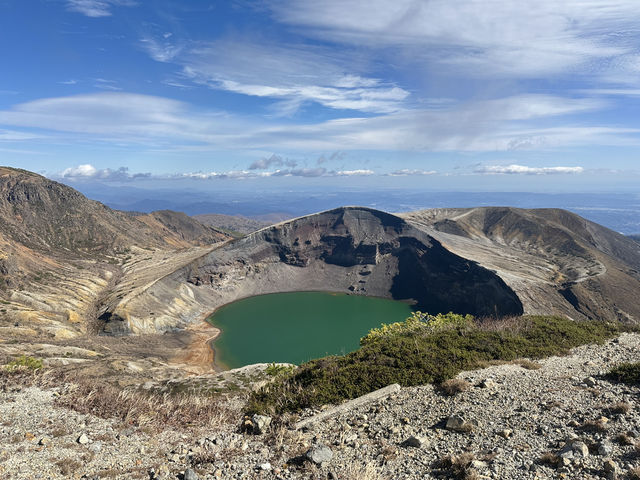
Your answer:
<point x="496" y="125"/>
<point x="292" y="75"/>
<point x="499" y="38"/>
<point x="525" y="170"/>
<point x="97" y="8"/>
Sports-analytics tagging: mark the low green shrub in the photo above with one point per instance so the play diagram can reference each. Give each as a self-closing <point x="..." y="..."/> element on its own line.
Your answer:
<point x="628" y="373"/>
<point x="422" y="350"/>
<point x="24" y="362"/>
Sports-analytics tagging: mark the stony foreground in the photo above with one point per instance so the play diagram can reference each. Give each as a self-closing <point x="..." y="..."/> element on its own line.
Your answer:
<point x="514" y="421"/>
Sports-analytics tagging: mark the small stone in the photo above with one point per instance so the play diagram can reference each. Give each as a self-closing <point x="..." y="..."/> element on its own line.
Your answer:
<point x="261" y="423"/>
<point x="610" y="466"/>
<point x="590" y="382"/>
<point x="415" y="441"/>
<point x="44" y="441"/>
<point x="265" y="466"/>
<point x="174" y="458"/>
<point x="319" y="454"/>
<point x="605" y="448"/>
<point x="506" y="433"/>
<point x="83" y="439"/>
<point x="478" y="464"/>
<point x="487" y="383"/>
<point x="574" y="448"/>
<point x="458" y="424"/>
<point x="190" y="475"/>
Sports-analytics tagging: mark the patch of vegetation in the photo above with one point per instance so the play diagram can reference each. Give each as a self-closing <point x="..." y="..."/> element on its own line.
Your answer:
<point x="628" y="373"/>
<point x="276" y="370"/>
<point x="424" y="349"/>
<point x="24" y="362"/>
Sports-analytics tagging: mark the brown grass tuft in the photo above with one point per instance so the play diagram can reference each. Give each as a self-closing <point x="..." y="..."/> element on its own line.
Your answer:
<point x="634" y="473"/>
<point x="458" y="466"/>
<point x="550" y="459"/>
<point x="454" y="386"/>
<point x="620" y="408"/>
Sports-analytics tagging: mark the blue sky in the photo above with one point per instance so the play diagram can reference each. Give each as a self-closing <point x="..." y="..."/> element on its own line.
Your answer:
<point x="533" y="95"/>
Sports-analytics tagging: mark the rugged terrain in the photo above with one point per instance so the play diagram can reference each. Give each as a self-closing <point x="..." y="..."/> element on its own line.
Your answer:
<point x="63" y="256"/>
<point x="559" y="418"/>
<point x="485" y="261"/>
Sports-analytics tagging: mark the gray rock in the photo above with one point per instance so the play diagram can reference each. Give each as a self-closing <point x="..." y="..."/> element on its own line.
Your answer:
<point x="457" y="423"/>
<point x="590" y="382"/>
<point x="319" y="454"/>
<point x="605" y="448"/>
<point x="83" y="439"/>
<point x="261" y="423"/>
<point x="574" y="449"/>
<point x="190" y="475"/>
<point x="415" y="441"/>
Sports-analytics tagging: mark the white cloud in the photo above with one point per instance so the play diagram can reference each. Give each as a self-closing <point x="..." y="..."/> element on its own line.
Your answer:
<point x="524" y="170"/>
<point x="273" y="160"/>
<point x="406" y="172"/>
<point x="292" y="75"/>
<point x="527" y="38"/>
<point x="355" y="173"/>
<point x="496" y="125"/>
<point x="96" y="8"/>
<point x="89" y="172"/>
<point x="161" y="50"/>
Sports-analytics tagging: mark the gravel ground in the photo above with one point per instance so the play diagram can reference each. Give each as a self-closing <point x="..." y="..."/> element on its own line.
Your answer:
<point x="514" y="419"/>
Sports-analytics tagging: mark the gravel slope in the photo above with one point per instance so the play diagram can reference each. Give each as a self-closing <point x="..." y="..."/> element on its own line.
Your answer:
<point x="517" y="415"/>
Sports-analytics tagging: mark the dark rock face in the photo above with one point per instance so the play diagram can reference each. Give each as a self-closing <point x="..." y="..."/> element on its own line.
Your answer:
<point x="440" y="281"/>
<point x="370" y="253"/>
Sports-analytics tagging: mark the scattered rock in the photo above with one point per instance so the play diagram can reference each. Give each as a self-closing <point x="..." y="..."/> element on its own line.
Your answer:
<point x="590" y="382"/>
<point x="506" y="433"/>
<point x="83" y="439"/>
<point x="319" y="454"/>
<point x="190" y="475"/>
<point x="265" y="466"/>
<point x="416" y="441"/>
<point x="260" y="423"/>
<point x="457" y="423"/>
<point x="574" y="448"/>
<point x="605" y="448"/>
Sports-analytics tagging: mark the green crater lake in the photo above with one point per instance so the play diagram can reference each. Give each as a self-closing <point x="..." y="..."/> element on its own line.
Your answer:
<point x="299" y="326"/>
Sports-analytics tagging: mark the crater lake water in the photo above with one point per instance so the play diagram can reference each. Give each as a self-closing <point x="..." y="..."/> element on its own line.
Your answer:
<point x="298" y="326"/>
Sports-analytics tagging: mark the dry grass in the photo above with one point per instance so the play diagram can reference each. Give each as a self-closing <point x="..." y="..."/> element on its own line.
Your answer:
<point x="550" y="459"/>
<point x="598" y="426"/>
<point x="454" y="386"/>
<point x="151" y="411"/>
<point x="515" y="324"/>
<point x="634" y="473"/>
<point x="620" y="408"/>
<point x="625" y="439"/>
<point x="458" y="466"/>
<point x="360" y="472"/>
<point x="528" y="364"/>
<point x="68" y="466"/>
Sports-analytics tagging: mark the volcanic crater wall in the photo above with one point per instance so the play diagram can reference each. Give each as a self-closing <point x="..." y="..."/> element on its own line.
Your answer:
<point x="352" y="250"/>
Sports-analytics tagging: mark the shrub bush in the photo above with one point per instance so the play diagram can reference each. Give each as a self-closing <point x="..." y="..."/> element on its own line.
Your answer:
<point x="419" y="351"/>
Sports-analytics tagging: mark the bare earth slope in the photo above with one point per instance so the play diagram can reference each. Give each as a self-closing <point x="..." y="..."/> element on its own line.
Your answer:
<point x="62" y="255"/>
<point x="556" y="261"/>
